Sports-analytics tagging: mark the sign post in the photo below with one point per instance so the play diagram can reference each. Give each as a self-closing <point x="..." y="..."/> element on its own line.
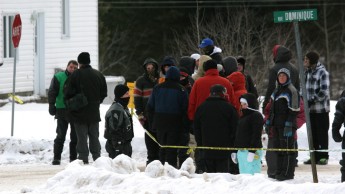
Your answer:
<point x="295" y="16"/>
<point x="16" y="35"/>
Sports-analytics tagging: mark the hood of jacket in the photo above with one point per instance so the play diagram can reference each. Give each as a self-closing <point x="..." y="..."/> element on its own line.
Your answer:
<point x="188" y="63"/>
<point x="230" y="64"/>
<point x="238" y="80"/>
<point x="281" y="54"/>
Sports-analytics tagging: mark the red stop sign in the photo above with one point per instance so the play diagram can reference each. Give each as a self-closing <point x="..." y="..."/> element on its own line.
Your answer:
<point x="16" y="30"/>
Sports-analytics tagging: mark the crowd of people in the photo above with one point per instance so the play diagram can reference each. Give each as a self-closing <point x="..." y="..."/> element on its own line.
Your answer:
<point x="204" y="99"/>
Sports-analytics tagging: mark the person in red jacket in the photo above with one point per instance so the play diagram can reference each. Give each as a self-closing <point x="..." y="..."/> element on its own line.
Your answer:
<point x="238" y="81"/>
<point x="201" y="88"/>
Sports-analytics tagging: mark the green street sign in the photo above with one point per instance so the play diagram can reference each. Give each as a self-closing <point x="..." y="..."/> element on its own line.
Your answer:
<point x="295" y="15"/>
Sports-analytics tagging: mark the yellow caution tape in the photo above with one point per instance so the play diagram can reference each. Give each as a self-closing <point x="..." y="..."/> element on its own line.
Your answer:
<point x="16" y="98"/>
<point x="192" y="148"/>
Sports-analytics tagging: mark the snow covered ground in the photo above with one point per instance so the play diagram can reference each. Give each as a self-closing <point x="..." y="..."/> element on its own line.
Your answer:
<point x="32" y="144"/>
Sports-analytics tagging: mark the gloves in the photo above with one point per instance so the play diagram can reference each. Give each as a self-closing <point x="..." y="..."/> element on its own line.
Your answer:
<point x="336" y="135"/>
<point x="142" y="119"/>
<point x="234" y="158"/>
<point x="250" y="156"/>
<point x="287" y="129"/>
<point x="52" y="109"/>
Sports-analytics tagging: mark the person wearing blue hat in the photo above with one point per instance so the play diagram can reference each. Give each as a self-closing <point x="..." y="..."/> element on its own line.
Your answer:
<point x="208" y="48"/>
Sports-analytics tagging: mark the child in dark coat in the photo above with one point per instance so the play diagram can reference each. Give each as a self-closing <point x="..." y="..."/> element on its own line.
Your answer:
<point x="248" y="135"/>
<point x="119" y="125"/>
<point x="337" y="123"/>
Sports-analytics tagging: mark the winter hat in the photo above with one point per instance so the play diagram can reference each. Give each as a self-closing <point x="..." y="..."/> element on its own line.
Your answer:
<point x="275" y="50"/>
<point x="195" y="56"/>
<point x="206" y="42"/>
<point x="210" y="64"/>
<point x="84" y="58"/>
<point x="188" y="63"/>
<point x="120" y="90"/>
<point x="167" y="61"/>
<point x="251" y="100"/>
<point x="284" y="70"/>
<point x="242" y="61"/>
<point x="230" y="65"/>
<point x="313" y="57"/>
<point x="173" y="73"/>
<point x="217" y="90"/>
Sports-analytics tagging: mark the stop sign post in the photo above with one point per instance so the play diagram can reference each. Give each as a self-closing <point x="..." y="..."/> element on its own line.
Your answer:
<point x="16" y="34"/>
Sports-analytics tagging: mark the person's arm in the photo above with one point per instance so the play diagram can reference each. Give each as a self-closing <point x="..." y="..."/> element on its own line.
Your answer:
<point x="324" y="88"/>
<point x="251" y="86"/>
<point x="270" y="87"/>
<point x="256" y="127"/>
<point x="104" y="90"/>
<point x="192" y="102"/>
<point x="138" y="97"/>
<point x="53" y="92"/>
<point x="339" y="117"/>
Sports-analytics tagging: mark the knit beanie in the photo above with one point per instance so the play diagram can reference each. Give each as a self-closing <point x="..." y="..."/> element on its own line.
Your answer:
<point x="210" y="64"/>
<point x="84" y="58"/>
<point x="120" y="90"/>
<point x="313" y="57"/>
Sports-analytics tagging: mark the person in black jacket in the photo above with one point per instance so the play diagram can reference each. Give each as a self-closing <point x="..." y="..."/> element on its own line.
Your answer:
<point x="57" y="107"/>
<point x="167" y="107"/>
<point x="142" y="91"/>
<point x="91" y="83"/>
<point x="282" y="125"/>
<point x="215" y="123"/>
<point x="248" y="135"/>
<point x="119" y="124"/>
<point x="338" y="121"/>
<point x="281" y="58"/>
<point x="208" y="48"/>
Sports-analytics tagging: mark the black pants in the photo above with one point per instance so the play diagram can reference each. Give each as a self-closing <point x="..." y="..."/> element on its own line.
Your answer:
<point x="286" y="160"/>
<point x="319" y="127"/>
<point x="61" y="131"/>
<point x="115" y="148"/>
<point x="217" y="165"/>
<point x="151" y="147"/>
<point x="342" y="161"/>
<point x="182" y="152"/>
<point x="168" y="154"/>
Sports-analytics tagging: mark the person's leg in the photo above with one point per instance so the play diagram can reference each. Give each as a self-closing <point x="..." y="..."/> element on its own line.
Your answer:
<point x="94" y="144"/>
<point x="209" y="165"/>
<point x="110" y="149"/>
<point x="161" y="138"/>
<point x="315" y="133"/>
<point x="286" y="159"/>
<point x="61" y="129"/>
<point x="272" y="156"/>
<point x="173" y="138"/>
<point x="222" y="165"/>
<point x="342" y="161"/>
<point x="152" y="148"/>
<point x="82" y="148"/>
<point x="323" y="124"/>
<point x="182" y="153"/>
<point x="73" y="144"/>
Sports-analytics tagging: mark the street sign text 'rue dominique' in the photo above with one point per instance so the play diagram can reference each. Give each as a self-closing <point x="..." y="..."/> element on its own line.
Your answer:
<point x="295" y="15"/>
